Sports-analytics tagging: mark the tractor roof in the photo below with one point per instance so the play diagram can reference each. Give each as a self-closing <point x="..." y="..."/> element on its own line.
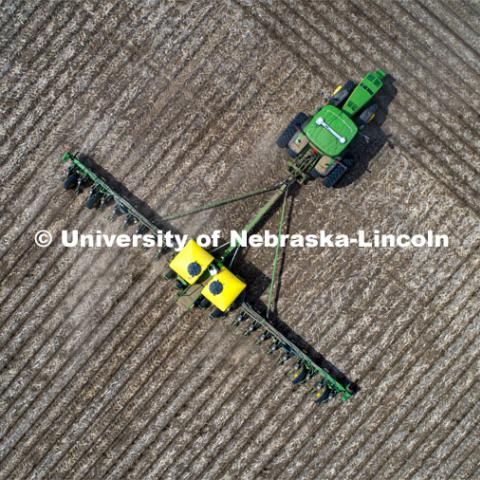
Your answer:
<point x="330" y="131"/>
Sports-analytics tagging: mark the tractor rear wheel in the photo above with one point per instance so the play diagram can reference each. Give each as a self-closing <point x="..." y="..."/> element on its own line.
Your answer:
<point x="293" y="126"/>
<point x="334" y="176"/>
<point x="348" y="161"/>
<point x="368" y="114"/>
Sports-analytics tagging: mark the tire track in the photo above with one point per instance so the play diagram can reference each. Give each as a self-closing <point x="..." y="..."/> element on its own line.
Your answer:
<point x="353" y="410"/>
<point x="433" y="41"/>
<point x="451" y="427"/>
<point x="51" y="196"/>
<point x="11" y="49"/>
<point x="52" y="458"/>
<point x="461" y="21"/>
<point x="26" y="93"/>
<point x="396" y="358"/>
<point x="73" y="333"/>
<point x="469" y="468"/>
<point x="22" y="16"/>
<point x="456" y="44"/>
<point x="118" y="50"/>
<point x="122" y="457"/>
<point x="95" y="372"/>
<point x="226" y="393"/>
<point x="84" y="67"/>
<point x="418" y="417"/>
<point x="25" y="129"/>
<point x="464" y="463"/>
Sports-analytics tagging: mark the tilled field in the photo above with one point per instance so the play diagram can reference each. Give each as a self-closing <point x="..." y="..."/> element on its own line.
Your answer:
<point x="102" y="376"/>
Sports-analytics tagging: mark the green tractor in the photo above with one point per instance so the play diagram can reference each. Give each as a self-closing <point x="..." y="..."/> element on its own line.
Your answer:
<point x="319" y="148"/>
<point x="318" y="144"/>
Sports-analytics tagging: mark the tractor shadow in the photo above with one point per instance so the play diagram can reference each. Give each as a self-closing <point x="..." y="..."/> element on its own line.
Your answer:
<point x="371" y="139"/>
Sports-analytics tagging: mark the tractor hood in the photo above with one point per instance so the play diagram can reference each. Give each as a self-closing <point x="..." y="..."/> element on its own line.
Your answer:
<point x="330" y="131"/>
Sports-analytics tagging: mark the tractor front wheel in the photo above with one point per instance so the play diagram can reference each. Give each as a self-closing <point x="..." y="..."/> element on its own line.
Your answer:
<point x="341" y="93"/>
<point x="368" y="114"/>
<point x="290" y="131"/>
